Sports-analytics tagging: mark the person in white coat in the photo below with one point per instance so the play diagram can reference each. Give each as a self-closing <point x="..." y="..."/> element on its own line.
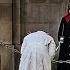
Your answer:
<point x="37" y="51"/>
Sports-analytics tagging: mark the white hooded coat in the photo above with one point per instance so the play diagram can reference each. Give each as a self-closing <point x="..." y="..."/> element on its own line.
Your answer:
<point x="37" y="51"/>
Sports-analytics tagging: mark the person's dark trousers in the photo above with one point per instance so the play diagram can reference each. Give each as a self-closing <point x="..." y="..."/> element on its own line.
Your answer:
<point x="64" y="55"/>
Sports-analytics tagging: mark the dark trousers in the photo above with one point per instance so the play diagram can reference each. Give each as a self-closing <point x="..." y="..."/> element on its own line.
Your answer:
<point x="64" y="55"/>
<point x="63" y="66"/>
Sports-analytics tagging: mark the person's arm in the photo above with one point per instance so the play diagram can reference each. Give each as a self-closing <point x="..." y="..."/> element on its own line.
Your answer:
<point x="23" y="46"/>
<point x="52" y="48"/>
<point x="60" y="32"/>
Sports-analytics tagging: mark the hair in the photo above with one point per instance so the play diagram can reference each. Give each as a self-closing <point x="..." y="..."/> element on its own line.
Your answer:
<point x="69" y="6"/>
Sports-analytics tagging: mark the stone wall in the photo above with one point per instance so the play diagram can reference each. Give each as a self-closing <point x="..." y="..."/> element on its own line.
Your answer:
<point x="5" y="23"/>
<point x="5" y="33"/>
<point x="7" y="57"/>
<point x="9" y="32"/>
<point x="42" y="15"/>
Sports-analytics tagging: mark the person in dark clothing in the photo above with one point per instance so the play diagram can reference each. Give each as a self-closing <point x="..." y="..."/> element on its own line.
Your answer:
<point x="64" y="31"/>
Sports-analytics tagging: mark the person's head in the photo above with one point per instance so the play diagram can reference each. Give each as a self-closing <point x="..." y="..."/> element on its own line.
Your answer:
<point x="68" y="8"/>
<point x="28" y="32"/>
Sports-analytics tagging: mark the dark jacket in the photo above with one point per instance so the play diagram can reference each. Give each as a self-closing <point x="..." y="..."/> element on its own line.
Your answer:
<point x="64" y="29"/>
<point x="64" y="54"/>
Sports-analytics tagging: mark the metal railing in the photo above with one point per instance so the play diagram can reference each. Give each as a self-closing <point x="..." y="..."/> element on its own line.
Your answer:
<point x="9" y="46"/>
<point x="7" y="53"/>
<point x="9" y="56"/>
<point x="61" y="61"/>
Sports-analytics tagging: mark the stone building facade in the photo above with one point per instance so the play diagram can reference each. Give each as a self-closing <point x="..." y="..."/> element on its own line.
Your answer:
<point x="17" y="17"/>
